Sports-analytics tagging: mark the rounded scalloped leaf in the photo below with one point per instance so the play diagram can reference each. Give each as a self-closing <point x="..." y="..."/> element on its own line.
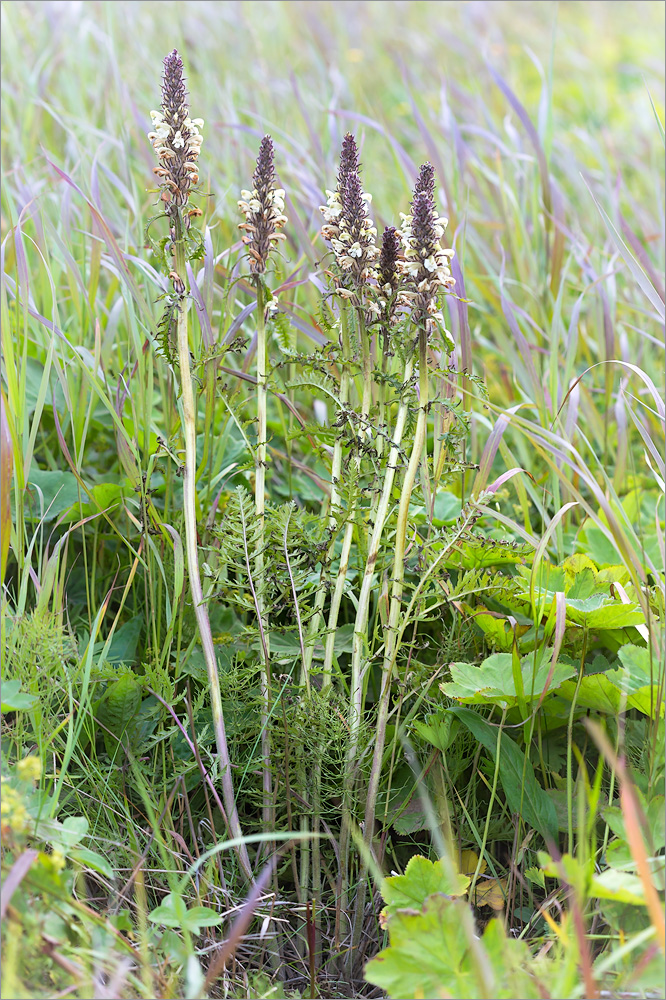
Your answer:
<point x="422" y="878"/>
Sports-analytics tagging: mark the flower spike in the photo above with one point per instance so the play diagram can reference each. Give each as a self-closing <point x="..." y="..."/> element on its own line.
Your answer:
<point x="175" y="137"/>
<point x="263" y="208"/>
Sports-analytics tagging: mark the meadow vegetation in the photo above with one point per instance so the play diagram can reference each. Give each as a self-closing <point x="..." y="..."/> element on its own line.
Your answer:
<point x="332" y="512"/>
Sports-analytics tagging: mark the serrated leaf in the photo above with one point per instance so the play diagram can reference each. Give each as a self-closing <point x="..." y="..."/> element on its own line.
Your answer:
<point x="598" y="611"/>
<point x="493" y="682"/>
<point x="524" y="794"/>
<point x="120" y="705"/>
<point x="535" y="876"/>
<point x="596" y="692"/>
<point x="422" y="878"/>
<point x="491" y="892"/>
<point x="429" y="955"/>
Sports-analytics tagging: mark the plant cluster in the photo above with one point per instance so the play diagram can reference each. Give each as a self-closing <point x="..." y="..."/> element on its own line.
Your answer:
<point x="312" y="693"/>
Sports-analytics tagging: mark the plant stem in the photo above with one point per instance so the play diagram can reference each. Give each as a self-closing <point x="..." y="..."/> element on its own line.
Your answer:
<point x="392" y="630"/>
<point x="361" y="623"/>
<point x="570" y="725"/>
<point x="351" y="510"/>
<point x="333" y="510"/>
<point x="259" y="568"/>
<point x="189" y="514"/>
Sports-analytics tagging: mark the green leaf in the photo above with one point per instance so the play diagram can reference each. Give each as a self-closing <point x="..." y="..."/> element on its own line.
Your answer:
<point x="570" y="870"/>
<point x="429" y="955"/>
<point x="493" y="682"/>
<point x="91" y="859"/>
<point x="120" y="705"/>
<point x="439" y="729"/>
<point x="498" y="631"/>
<point x="173" y="912"/>
<point x="202" y="916"/>
<point x="66" y="834"/>
<point x="524" y="794"/>
<point x="476" y="552"/>
<point x="640" y="669"/>
<point x="13" y="700"/>
<point x="623" y="887"/>
<point x="596" y="692"/>
<point x="60" y="491"/>
<point x="598" y="611"/>
<point x="125" y="639"/>
<point x="422" y="878"/>
<point x="446" y="509"/>
<point x="100" y="498"/>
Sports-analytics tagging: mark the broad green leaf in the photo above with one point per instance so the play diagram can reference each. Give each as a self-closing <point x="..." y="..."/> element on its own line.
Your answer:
<point x="640" y="669"/>
<point x="125" y="639"/>
<point x="429" y="955"/>
<point x="596" y="692"/>
<point x="584" y="582"/>
<point x="498" y="631"/>
<point x="524" y="794"/>
<point x="173" y="912"/>
<point x="13" y="699"/>
<point x="446" y="509"/>
<point x="570" y="870"/>
<point x="493" y="682"/>
<point x="102" y="497"/>
<point x="599" y="546"/>
<point x="66" y="835"/>
<point x="623" y="887"/>
<point x="60" y="491"/>
<point x="598" y="611"/>
<point x="91" y="859"/>
<point x="422" y="878"/>
<point x="76" y="828"/>
<point x="202" y="916"/>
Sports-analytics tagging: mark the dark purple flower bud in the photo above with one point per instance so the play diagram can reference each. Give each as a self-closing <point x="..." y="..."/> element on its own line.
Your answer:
<point x="387" y="270"/>
<point x="349" y="162"/>
<point x="424" y="237"/>
<point x="425" y="181"/>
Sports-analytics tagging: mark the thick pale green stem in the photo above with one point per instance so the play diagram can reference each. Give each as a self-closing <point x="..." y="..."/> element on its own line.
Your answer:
<point x="392" y="630"/>
<point x="361" y="623"/>
<point x="259" y="570"/>
<point x="366" y="402"/>
<point x="348" y="788"/>
<point x="200" y="607"/>
<point x="333" y="509"/>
